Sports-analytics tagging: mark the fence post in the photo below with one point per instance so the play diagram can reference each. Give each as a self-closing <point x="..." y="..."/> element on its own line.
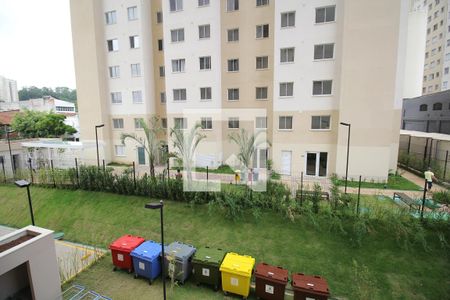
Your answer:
<point x="425" y="151"/>
<point x="409" y="144"/>
<point x="31" y="169"/>
<point x="53" y="173"/>
<point x="301" y="189"/>
<point x="104" y="167"/>
<point x="423" y="200"/>
<point x="134" y="175"/>
<point x="76" y="171"/>
<point x="207" y="173"/>
<point x="445" y="164"/>
<point x="431" y="151"/>
<point x="359" y="196"/>
<point x="168" y="169"/>
<point x="3" y="168"/>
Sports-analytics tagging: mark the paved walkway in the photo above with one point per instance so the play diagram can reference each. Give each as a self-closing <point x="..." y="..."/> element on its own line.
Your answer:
<point x="72" y="258"/>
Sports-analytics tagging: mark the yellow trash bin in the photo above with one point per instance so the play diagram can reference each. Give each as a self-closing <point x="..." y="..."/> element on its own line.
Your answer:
<point x="237" y="273"/>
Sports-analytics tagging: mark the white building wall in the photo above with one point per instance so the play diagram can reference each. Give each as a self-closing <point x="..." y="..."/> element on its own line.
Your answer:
<point x="445" y="83"/>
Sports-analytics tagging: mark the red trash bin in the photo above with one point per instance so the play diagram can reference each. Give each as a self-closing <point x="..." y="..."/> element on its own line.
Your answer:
<point x="120" y="251"/>
<point x="309" y="287"/>
<point x="270" y="281"/>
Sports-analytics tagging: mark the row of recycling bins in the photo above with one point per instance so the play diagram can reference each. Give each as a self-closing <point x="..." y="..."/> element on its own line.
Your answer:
<point x="214" y="267"/>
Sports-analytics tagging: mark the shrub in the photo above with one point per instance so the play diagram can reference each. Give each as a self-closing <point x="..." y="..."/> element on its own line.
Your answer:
<point x="442" y="197"/>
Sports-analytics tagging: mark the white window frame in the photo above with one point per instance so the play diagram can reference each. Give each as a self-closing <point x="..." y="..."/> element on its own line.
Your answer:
<point x="177" y="35"/>
<point x="321" y="123"/>
<point x="205" y="63"/>
<point x="114" y="45"/>
<point x="204" y="32"/>
<point x="261" y="88"/>
<point x="260" y="30"/>
<point x="260" y="3"/>
<point x="175" y="5"/>
<point x="159" y="17"/>
<point x="322" y="88"/>
<point x="203" y="3"/>
<point x="179" y="94"/>
<point x="234" y="34"/>
<point x="233" y="92"/>
<point x="137" y="124"/>
<point x="180" y="121"/>
<point x="285" y="118"/>
<point x="162" y="97"/>
<point x="162" y="71"/>
<point x="136" y="70"/>
<point x="321" y="48"/>
<point x="114" y="72"/>
<point x="116" y="97"/>
<point x="206" y="123"/>
<point x="204" y="93"/>
<point x="120" y="153"/>
<point x="233" y="65"/>
<point x="284" y="88"/>
<point x="232" y="5"/>
<point x="137" y="97"/>
<point x="261" y="123"/>
<point x="284" y="53"/>
<point x="325" y="14"/>
<point x="290" y="18"/>
<point x="132" y="13"/>
<point x="117" y="123"/>
<point x="135" y="42"/>
<point x="111" y="17"/>
<point x="233" y="120"/>
<point x="262" y="62"/>
<point x="178" y="65"/>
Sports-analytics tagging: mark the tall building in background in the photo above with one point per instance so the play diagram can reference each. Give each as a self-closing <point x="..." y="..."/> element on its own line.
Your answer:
<point x="293" y="68"/>
<point x="8" y="90"/>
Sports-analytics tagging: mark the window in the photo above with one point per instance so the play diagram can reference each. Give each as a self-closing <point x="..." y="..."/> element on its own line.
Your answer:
<point x="446" y="70"/>
<point x="437" y="74"/>
<point x="132" y="13"/>
<point x="286" y="89"/>
<point x="203" y="3"/>
<point x="325" y="14"/>
<point x="205" y="93"/>
<point x="116" y="98"/>
<point x="162" y="71"/>
<point x="322" y="87"/>
<point x="205" y="63"/>
<point x="233" y="94"/>
<point x="137" y="96"/>
<point x="159" y="17"/>
<point x="135" y="70"/>
<point x="233" y="65"/>
<point x="437" y="106"/>
<point x="435" y="27"/>
<point x="206" y="123"/>
<point x="134" y="42"/>
<point x="177" y="35"/>
<point x="179" y="95"/>
<point x="423" y="107"/>
<point x="445" y="84"/>
<point x="262" y="62"/>
<point x="164" y="123"/>
<point x="111" y="17"/>
<point x="424" y="89"/>
<point x="114" y="72"/>
<point x="424" y="78"/>
<point x="204" y="31"/>
<point x="160" y="45"/>
<point x="320" y="122"/>
<point x="261" y="93"/>
<point x="233" y="35"/>
<point x="138" y="123"/>
<point x="262" y="2"/>
<point x="430" y="88"/>
<point x="287" y="55"/>
<point x="262" y="31"/>
<point x="178" y="65"/>
<point x="117" y="123"/>
<point x="233" y="123"/>
<point x="232" y="5"/>
<point x="285" y="122"/>
<point x="431" y="76"/>
<point x="288" y="19"/>
<point x="162" y="97"/>
<point x="113" y="45"/>
<point x="261" y="123"/>
<point x="180" y="123"/>
<point x="119" y="150"/>
<point x="176" y="5"/>
<point x="324" y="51"/>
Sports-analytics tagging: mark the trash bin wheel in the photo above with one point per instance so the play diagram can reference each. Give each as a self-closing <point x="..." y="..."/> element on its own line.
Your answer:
<point x="150" y="282"/>
<point x="129" y="271"/>
<point x="114" y="269"/>
<point x="216" y="288"/>
<point x="225" y="293"/>
<point x="135" y="276"/>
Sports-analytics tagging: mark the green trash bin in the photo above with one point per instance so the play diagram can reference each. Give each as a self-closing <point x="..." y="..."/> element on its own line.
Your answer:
<point x="206" y="264"/>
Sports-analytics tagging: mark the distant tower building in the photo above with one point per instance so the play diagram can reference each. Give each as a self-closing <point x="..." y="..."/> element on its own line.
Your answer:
<point x="8" y="90"/>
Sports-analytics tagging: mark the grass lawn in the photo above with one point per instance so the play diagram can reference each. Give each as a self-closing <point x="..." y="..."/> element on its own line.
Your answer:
<point x="395" y="182"/>
<point x="98" y="218"/>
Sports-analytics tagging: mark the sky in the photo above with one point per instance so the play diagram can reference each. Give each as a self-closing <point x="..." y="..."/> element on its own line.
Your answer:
<point x="36" y="43"/>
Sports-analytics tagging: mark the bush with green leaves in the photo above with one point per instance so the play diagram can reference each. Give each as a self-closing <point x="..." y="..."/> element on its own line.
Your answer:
<point x="442" y="197"/>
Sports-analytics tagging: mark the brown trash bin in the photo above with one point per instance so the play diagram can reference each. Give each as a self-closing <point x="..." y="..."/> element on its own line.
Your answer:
<point x="270" y="282"/>
<point x="309" y="287"/>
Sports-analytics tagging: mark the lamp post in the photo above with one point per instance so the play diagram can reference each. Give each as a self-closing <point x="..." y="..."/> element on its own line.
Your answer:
<point x="96" y="143"/>
<point x="159" y="205"/>
<point x="348" y="153"/>
<point x="22" y="184"/>
<point x="10" y="152"/>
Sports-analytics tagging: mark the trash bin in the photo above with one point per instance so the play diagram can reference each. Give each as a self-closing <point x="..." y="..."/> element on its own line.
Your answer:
<point x="270" y="281"/>
<point x="121" y="249"/>
<point x="236" y="274"/>
<point x="147" y="260"/>
<point x="206" y="264"/>
<point x="182" y="261"/>
<point x="309" y="287"/>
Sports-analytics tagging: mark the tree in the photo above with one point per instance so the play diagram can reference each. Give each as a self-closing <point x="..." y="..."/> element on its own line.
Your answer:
<point x="151" y="144"/>
<point x="36" y="124"/>
<point x="247" y="144"/>
<point x="62" y="93"/>
<point x="186" y="144"/>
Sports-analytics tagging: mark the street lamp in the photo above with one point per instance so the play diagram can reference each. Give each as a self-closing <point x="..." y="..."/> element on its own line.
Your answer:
<point x="159" y="205"/>
<point x="348" y="152"/>
<point x="22" y="184"/>
<point x="96" y="143"/>
<point x="10" y="152"/>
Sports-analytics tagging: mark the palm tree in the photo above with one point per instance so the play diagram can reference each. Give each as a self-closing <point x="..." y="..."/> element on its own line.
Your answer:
<point x="186" y="144"/>
<point x="247" y="143"/>
<point x="151" y="144"/>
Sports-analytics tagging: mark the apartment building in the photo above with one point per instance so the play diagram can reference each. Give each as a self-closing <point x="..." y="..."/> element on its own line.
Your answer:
<point x="294" y="69"/>
<point x="8" y="90"/>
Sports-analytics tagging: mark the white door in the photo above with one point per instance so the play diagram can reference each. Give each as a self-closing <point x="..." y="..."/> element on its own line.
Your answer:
<point x="286" y="159"/>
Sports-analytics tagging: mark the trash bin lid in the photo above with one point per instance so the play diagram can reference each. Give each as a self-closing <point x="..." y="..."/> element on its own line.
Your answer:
<point x="126" y="243"/>
<point x="238" y="264"/>
<point x="310" y="283"/>
<point x="209" y="255"/>
<point x="272" y="273"/>
<point x="180" y="250"/>
<point x="148" y="250"/>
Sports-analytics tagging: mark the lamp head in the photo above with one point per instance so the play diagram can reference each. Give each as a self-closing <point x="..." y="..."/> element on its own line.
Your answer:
<point x="99" y="126"/>
<point x="345" y="124"/>
<point x="22" y="183"/>
<point x="154" y="205"/>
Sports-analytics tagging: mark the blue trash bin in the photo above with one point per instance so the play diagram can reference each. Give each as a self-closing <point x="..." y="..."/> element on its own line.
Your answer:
<point x="147" y="260"/>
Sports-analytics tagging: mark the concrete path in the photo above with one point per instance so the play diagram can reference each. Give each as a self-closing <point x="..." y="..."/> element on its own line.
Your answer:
<point x="72" y="258"/>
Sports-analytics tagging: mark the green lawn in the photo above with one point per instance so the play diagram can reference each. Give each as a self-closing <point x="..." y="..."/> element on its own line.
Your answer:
<point x="385" y="270"/>
<point x="395" y="182"/>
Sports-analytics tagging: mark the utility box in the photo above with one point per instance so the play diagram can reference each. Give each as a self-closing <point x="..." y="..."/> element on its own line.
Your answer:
<point x="178" y="260"/>
<point x="309" y="287"/>
<point x="270" y="281"/>
<point x="147" y="260"/>
<point x="121" y="249"/>
<point x="237" y="273"/>
<point x="206" y="266"/>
